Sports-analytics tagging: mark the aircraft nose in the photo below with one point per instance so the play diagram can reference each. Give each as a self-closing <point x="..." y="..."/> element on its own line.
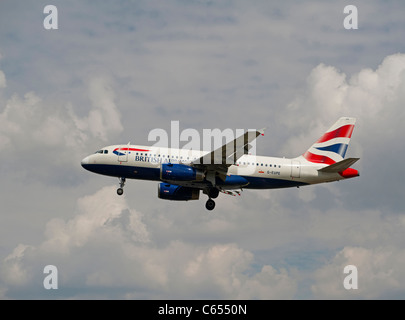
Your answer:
<point x="85" y="162"/>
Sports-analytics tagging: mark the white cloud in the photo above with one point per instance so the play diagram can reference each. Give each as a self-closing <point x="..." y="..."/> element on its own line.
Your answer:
<point x="107" y="245"/>
<point x="53" y="136"/>
<point x="13" y="272"/>
<point x="2" y="79"/>
<point x="101" y="213"/>
<point x="380" y="273"/>
<point x="374" y="97"/>
<point x="31" y="122"/>
<point x="104" y="118"/>
<point x="225" y="265"/>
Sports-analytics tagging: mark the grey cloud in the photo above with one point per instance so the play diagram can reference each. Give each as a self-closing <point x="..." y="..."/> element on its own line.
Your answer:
<point x="32" y="125"/>
<point x="380" y="272"/>
<point x="376" y="98"/>
<point x="76" y="246"/>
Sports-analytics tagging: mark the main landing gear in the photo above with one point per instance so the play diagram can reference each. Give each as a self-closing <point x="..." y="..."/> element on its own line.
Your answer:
<point x="120" y="190"/>
<point x="210" y="204"/>
<point x="212" y="193"/>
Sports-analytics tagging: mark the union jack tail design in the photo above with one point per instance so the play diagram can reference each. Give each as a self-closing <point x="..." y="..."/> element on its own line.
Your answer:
<point x="332" y="146"/>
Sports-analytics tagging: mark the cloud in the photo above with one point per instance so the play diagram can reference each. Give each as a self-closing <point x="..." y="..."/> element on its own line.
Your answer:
<point x="12" y="268"/>
<point x="104" y="118"/>
<point x="380" y="274"/>
<point x="2" y="80"/>
<point x="233" y="64"/>
<point x="376" y="99"/>
<point x="31" y="125"/>
<point x="107" y="245"/>
<point x="373" y="96"/>
<point x="31" y="121"/>
<point x="226" y="265"/>
<point x="158" y="256"/>
<point x="101" y="213"/>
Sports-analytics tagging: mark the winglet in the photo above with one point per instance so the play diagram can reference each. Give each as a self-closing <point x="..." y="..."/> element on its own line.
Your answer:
<point x="261" y="131"/>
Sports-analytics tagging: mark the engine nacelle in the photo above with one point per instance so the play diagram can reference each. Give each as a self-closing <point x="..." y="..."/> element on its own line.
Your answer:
<point x="180" y="172"/>
<point x="174" y="192"/>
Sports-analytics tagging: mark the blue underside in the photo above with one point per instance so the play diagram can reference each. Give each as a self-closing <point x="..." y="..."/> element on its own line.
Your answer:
<point x="153" y="174"/>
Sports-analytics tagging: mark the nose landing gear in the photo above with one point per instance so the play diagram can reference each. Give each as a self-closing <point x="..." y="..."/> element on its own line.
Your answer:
<point x="120" y="190"/>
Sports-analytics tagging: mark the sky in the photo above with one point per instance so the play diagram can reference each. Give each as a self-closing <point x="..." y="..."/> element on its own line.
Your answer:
<point x="115" y="70"/>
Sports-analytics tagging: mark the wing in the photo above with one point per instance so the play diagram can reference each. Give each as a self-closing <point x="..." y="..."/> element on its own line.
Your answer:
<point x="217" y="162"/>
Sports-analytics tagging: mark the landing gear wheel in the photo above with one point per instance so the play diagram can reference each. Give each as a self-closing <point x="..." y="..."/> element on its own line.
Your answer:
<point x="213" y="193"/>
<point x="210" y="204"/>
<point x="120" y="190"/>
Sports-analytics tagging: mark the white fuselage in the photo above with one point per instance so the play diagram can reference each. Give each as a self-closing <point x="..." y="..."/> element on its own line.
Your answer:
<point x="143" y="162"/>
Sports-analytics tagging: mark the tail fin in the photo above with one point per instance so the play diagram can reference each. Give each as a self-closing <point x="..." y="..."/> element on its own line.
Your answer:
<point x="332" y="146"/>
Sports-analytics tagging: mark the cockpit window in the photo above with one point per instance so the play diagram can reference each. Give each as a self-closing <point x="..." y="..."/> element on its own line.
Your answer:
<point x="102" y="151"/>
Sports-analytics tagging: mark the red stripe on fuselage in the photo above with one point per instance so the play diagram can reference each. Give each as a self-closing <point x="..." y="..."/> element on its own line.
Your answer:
<point x="342" y="132"/>
<point x="131" y="149"/>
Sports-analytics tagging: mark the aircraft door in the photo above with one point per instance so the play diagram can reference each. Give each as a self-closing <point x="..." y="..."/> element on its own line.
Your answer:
<point x="295" y="169"/>
<point x="123" y="153"/>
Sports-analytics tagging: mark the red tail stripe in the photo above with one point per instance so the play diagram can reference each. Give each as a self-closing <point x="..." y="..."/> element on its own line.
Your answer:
<point x="342" y="132"/>
<point x="318" y="158"/>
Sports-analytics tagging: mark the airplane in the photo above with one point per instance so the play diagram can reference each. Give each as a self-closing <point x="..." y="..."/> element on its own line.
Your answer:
<point x="183" y="174"/>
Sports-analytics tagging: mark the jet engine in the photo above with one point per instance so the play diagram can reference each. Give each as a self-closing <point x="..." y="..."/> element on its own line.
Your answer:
<point x="180" y="172"/>
<point x="174" y="192"/>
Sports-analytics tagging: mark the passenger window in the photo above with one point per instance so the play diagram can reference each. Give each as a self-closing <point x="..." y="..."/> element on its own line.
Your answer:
<point x="105" y="151"/>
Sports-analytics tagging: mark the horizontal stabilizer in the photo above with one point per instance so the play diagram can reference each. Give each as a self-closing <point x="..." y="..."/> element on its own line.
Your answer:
<point x="339" y="166"/>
